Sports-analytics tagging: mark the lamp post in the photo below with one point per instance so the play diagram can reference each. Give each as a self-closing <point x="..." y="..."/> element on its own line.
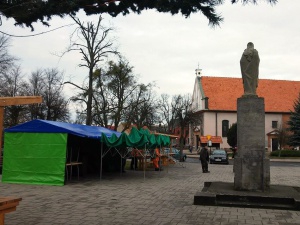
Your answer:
<point x="209" y="143"/>
<point x="182" y="132"/>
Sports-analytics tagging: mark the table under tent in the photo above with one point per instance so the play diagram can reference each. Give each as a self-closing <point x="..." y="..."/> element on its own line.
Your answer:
<point x="37" y="152"/>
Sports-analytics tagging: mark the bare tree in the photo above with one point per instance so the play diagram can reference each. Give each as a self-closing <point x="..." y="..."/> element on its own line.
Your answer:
<point x="283" y="136"/>
<point x="103" y="101"/>
<point x="6" y="60"/>
<point x="13" y="84"/>
<point x="56" y="105"/>
<point x="142" y="108"/>
<point x="166" y="118"/>
<point x="117" y="95"/>
<point x="183" y="115"/>
<point x="48" y="84"/>
<point x="93" y="43"/>
<point x="36" y="88"/>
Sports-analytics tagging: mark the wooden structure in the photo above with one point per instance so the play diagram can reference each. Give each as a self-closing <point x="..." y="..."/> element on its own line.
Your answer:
<point x="7" y="205"/>
<point x="9" y="101"/>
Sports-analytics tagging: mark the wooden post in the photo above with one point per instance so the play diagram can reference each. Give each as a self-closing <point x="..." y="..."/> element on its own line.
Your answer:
<point x="7" y="205"/>
<point x="1" y="126"/>
<point x="10" y="204"/>
<point x="20" y="100"/>
<point x="8" y="101"/>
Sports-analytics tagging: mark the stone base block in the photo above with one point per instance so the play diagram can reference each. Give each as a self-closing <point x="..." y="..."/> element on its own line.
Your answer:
<point x="252" y="174"/>
<point x="251" y="167"/>
<point x="223" y="194"/>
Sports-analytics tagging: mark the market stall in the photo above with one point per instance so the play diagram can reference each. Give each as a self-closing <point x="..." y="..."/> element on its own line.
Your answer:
<point x="36" y="152"/>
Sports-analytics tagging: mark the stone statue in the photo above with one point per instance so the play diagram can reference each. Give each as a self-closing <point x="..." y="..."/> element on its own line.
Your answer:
<point x="249" y="68"/>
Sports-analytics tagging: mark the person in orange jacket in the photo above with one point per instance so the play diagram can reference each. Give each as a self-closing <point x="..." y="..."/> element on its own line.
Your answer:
<point x="155" y="160"/>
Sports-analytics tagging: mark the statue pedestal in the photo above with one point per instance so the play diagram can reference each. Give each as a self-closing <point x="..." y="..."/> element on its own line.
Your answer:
<point x="251" y="167"/>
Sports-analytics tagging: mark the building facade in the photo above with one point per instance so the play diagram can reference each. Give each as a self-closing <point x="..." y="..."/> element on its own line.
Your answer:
<point x="215" y="100"/>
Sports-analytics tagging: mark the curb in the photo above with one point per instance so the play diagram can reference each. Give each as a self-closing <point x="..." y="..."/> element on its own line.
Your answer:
<point x="272" y="160"/>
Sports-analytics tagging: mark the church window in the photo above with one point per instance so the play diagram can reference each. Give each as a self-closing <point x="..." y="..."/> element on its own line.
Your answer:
<point x="225" y="127"/>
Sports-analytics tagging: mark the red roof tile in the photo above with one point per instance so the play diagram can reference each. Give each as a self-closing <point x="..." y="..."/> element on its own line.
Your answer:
<point x="223" y="92"/>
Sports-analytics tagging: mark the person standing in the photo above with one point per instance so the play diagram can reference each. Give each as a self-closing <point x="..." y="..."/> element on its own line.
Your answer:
<point x="190" y="149"/>
<point x="204" y="158"/>
<point x="156" y="159"/>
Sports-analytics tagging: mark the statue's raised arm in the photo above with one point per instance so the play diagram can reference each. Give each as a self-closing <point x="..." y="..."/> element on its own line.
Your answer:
<point x="249" y="68"/>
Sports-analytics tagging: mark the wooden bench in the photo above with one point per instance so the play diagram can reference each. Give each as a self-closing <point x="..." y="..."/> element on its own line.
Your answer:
<point x="7" y="205"/>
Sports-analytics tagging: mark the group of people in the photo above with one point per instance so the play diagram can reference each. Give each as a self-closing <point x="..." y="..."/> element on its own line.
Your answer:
<point x="204" y="158"/>
<point x="135" y="153"/>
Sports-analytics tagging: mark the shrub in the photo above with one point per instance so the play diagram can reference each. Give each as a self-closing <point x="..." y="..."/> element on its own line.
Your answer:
<point x="285" y="153"/>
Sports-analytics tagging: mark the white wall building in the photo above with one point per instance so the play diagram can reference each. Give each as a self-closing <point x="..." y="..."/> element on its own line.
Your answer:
<point x="215" y="100"/>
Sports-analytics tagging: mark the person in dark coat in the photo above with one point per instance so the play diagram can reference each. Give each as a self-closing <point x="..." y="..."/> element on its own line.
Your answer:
<point x="204" y="158"/>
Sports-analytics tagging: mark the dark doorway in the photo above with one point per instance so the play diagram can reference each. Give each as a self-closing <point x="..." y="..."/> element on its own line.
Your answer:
<point x="274" y="144"/>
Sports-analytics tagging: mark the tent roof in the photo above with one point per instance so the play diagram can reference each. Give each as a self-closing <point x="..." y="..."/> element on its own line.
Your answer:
<point x="46" y="126"/>
<point x="137" y="138"/>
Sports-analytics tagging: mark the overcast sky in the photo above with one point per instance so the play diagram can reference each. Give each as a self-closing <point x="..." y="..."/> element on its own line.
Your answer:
<point x="167" y="49"/>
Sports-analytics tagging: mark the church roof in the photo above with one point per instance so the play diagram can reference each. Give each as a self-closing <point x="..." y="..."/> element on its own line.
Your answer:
<point x="223" y="92"/>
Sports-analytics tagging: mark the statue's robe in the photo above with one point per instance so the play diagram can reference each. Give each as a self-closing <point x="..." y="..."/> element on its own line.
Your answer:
<point x="249" y="68"/>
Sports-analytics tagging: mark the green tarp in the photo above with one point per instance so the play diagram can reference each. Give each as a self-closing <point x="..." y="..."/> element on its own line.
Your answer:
<point x="138" y="139"/>
<point x="34" y="158"/>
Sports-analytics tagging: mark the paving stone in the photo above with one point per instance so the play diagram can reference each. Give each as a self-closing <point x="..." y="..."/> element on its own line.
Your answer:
<point x="161" y="198"/>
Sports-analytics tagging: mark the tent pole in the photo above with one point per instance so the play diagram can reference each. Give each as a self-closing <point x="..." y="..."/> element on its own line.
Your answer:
<point x="101" y="160"/>
<point x="160" y="163"/>
<point x="145" y="159"/>
<point x="121" y="158"/>
<point x="167" y="161"/>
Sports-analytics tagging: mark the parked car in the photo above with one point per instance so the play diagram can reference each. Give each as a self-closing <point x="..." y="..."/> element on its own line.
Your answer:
<point x="218" y="156"/>
<point x="176" y="152"/>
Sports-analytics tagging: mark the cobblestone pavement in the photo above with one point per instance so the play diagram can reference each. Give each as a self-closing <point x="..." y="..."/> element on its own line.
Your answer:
<point x="163" y="198"/>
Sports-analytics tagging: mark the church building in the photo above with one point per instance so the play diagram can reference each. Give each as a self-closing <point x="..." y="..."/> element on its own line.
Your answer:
<point x="214" y="99"/>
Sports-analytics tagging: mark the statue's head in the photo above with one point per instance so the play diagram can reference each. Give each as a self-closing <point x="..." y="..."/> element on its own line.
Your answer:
<point x="250" y="45"/>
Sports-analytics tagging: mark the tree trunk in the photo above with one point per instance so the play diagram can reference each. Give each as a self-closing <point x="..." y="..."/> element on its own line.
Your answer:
<point x="89" y="101"/>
